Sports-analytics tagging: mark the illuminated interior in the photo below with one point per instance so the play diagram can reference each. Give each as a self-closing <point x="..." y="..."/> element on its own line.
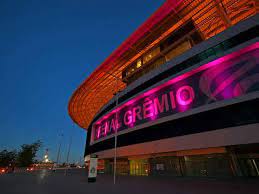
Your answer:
<point x="210" y="17"/>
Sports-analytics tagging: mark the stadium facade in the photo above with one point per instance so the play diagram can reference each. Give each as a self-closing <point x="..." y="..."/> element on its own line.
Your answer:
<point x="180" y="95"/>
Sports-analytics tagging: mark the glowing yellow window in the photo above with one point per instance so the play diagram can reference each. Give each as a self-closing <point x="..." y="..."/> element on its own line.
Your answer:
<point x="147" y="57"/>
<point x="139" y="63"/>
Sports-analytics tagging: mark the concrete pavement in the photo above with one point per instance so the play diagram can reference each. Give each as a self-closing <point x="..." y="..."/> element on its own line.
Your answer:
<point x="75" y="182"/>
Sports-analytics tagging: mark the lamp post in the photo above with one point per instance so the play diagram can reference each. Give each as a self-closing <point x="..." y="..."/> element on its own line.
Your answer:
<point x="59" y="148"/>
<point x="115" y="139"/>
<point x="116" y="125"/>
<point x="68" y="152"/>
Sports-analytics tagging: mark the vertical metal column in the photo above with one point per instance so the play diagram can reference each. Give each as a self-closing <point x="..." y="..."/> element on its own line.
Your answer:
<point x="116" y="125"/>
<point x="115" y="137"/>
<point x="68" y="153"/>
<point x="59" y="148"/>
<point x="234" y="161"/>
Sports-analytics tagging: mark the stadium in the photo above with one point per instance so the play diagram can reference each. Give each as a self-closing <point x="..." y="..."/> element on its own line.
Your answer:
<point x="179" y="96"/>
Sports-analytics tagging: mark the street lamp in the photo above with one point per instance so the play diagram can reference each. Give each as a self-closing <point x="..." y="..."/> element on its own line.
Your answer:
<point x="68" y="152"/>
<point x="59" y="147"/>
<point x="115" y="139"/>
<point x="116" y="128"/>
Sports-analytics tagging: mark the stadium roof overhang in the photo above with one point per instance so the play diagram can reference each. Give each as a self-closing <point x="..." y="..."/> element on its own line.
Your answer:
<point x="101" y="85"/>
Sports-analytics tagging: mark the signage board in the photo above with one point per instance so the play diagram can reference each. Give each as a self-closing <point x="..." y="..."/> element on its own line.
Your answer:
<point x="225" y="78"/>
<point x="92" y="171"/>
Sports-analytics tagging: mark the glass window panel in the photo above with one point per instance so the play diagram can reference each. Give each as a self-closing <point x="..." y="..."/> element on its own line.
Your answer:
<point x="139" y="63"/>
<point x="147" y="57"/>
<point x="181" y="48"/>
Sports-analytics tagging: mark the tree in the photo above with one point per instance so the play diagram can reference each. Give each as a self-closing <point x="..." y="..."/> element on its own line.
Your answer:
<point x="7" y="157"/>
<point x="27" y="154"/>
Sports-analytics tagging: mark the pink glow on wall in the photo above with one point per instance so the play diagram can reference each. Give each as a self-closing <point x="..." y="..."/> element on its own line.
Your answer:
<point x="181" y="97"/>
<point x="244" y="84"/>
<point x="188" y="74"/>
<point x="98" y="132"/>
<point x="128" y="117"/>
<point x="185" y="95"/>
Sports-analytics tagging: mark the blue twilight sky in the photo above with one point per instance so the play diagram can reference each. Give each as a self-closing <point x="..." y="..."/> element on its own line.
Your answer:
<point x="47" y="48"/>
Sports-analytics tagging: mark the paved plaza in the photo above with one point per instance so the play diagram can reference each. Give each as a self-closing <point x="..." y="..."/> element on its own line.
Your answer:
<point x="75" y="182"/>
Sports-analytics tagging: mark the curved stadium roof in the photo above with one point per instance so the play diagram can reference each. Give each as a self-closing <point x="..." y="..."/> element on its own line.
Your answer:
<point x="210" y="18"/>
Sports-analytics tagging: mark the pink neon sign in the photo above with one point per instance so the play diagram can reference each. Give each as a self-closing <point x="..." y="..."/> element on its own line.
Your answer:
<point x="225" y="78"/>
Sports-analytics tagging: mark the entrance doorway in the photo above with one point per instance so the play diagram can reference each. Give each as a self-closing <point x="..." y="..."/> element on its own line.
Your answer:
<point x="250" y="166"/>
<point x="139" y="167"/>
<point x="211" y="165"/>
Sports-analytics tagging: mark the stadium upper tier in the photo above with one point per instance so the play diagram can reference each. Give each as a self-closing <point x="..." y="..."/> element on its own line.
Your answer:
<point x="209" y="18"/>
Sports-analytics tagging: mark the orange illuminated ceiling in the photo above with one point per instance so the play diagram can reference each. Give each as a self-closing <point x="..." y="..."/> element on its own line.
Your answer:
<point x="210" y="17"/>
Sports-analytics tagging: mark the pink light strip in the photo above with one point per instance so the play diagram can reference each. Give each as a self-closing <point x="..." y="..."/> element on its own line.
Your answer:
<point x="183" y="76"/>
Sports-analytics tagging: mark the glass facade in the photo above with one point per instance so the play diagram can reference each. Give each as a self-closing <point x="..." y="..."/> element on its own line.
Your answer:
<point x="179" y="49"/>
<point x="190" y="165"/>
<point x="139" y="167"/>
<point x="169" y="166"/>
<point x="154" y="52"/>
<point x="213" y="165"/>
<point x="175" y="44"/>
<point x="122" y="166"/>
<point x="250" y="166"/>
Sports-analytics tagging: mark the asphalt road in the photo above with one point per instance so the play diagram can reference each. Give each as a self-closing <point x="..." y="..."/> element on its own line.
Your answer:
<point x="75" y="182"/>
